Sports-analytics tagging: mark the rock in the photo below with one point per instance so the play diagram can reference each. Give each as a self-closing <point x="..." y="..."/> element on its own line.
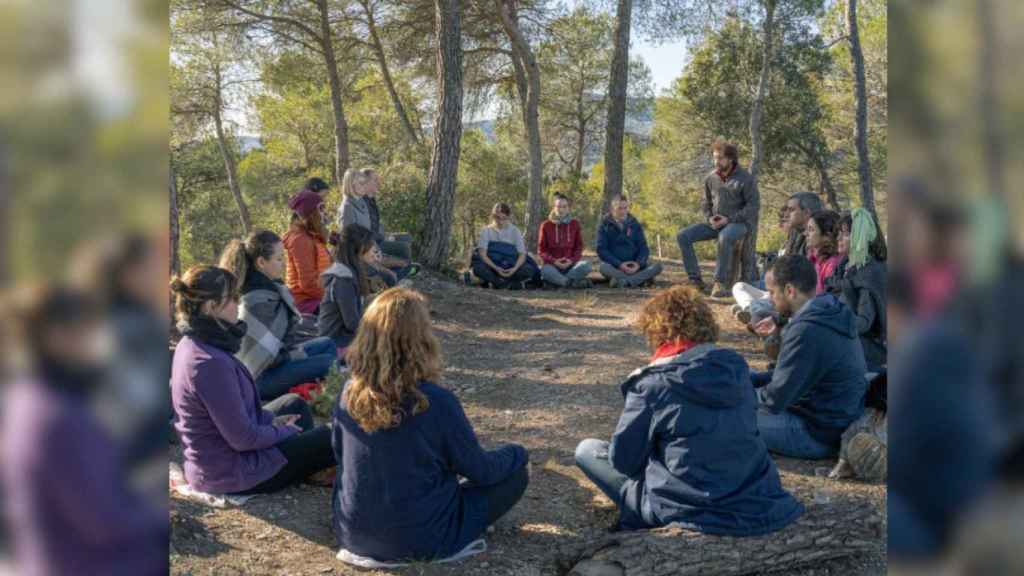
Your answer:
<point x="597" y="568"/>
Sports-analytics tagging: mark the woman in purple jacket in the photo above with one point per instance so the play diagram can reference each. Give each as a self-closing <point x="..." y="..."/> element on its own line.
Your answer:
<point x="231" y="444"/>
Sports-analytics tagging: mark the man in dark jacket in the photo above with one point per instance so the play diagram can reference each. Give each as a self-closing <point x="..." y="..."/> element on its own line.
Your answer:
<point x="731" y="205"/>
<point x="686" y="448"/>
<point x="622" y="248"/>
<point x="817" y="387"/>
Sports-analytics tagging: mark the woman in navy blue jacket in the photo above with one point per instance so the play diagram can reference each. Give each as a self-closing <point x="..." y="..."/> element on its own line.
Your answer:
<point x="401" y="443"/>
<point x="687" y="449"/>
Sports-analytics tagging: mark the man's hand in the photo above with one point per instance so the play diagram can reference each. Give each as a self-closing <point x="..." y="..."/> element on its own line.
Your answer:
<point x="765" y="327"/>
<point x="563" y="263"/>
<point x="504" y="273"/>
<point x="630" y="267"/>
<point x="718" y="221"/>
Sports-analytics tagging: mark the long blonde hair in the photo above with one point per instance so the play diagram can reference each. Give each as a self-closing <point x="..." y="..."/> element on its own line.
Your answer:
<point x="355" y="177"/>
<point x="394" y="349"/>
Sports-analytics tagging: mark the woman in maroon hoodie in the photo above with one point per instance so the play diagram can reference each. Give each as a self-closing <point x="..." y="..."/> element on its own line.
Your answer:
<point x="560" y="245"/>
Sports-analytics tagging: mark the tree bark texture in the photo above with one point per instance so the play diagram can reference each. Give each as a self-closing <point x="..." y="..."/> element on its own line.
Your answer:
<point x="385" y="72"/>
<point x="341" y="153"/>
<point x="530" y="101"/>
<point x="615" y="128"/>
<point x="444" y="162"/>
<point x="230" y="167"/>
<point x="824" y="532"/>
<point x="867" y="194"/>
<point x="172" y="185"/>
<point x="5" y="217"/>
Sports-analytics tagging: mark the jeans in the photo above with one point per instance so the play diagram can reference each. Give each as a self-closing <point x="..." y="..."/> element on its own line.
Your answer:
<point x="500" y="497"/>
<point x="306" y="453"/>
<point x="728" y="238"/>
<point x="277" y="380"/>
<point x="642" y="275"/>
<point x="786" y="434"/>
<point x="400" y="247"/>
<point x="592" y="459"/>
<point x="487" y="274"/>
<point x="576" y="272"/>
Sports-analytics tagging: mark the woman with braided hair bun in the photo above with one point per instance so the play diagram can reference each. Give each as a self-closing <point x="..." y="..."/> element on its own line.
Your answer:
<point x="232" y="444"/>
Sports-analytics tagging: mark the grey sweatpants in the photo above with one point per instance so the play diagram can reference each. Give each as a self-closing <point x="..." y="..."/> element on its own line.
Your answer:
<point x="553" y="275"/>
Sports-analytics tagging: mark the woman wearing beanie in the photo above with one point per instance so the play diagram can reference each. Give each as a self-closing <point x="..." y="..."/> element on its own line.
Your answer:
<point x="305" y="246"/>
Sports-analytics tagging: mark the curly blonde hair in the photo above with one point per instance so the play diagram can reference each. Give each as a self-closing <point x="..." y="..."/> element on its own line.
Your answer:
<point x="394" y="349"/>
<point x="678" y="313"/>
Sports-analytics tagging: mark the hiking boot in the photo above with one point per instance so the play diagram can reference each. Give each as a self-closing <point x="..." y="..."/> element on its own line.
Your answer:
<point x="699" y="285"/>
<point x="868" y="456"/>
<point x="649" y="283"/>
<point x="323" y="478"/>
<point x="517" y="285"/>
<point x="744" y="317"/>
<point x="467" y="278"/>
<point x="719" y="291"/>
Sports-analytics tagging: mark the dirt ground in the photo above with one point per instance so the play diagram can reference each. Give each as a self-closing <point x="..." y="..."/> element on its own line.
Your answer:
<point x="540" y="368"/>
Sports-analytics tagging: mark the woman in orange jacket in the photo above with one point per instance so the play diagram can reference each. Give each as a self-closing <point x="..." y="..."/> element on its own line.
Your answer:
<point x="305" y="247"/>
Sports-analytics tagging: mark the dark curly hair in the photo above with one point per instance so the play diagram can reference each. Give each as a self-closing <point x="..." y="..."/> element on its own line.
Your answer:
<point x="678" y="313"/>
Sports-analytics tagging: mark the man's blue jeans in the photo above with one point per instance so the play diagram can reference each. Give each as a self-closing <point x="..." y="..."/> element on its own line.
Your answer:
<point x="786" y="434"/>
<point x="727" y="237"/>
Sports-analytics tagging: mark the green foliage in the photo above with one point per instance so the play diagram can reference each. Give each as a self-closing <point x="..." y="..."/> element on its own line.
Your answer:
<point x="324" y="400"/>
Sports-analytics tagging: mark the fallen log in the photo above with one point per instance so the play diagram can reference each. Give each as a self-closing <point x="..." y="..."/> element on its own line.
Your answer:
<point x="824" y="532"/>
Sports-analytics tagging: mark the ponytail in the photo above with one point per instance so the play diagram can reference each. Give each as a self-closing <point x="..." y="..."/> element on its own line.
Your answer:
<point x="199" y="285"/>
<point x="240" y="257"/>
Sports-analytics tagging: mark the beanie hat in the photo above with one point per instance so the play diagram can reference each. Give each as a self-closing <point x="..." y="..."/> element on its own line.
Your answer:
<point x="305" y="203"/>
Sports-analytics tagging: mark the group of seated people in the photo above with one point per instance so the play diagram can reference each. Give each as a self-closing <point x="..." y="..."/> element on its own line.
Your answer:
<point x="501" y="259"/>
<point x="412" y="481"/>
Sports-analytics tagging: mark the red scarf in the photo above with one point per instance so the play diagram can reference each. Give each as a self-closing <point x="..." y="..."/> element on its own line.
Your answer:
<point x="725" y="175"/>
<point x="672" y="348"/>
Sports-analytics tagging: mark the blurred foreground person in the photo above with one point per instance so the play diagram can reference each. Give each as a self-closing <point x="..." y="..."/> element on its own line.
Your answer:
<point x="70" y="509"/>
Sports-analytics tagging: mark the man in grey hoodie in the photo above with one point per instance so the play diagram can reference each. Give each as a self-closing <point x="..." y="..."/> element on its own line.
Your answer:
<point x="818" y="385"/>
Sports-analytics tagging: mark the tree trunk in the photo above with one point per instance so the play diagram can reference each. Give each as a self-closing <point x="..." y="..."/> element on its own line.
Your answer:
<point x="444" y="163"/>
<point x="5" y="219"/>
<point x="172" y="186"/>
<point x="229" y="161"/>
<point x="341" y="155"/>
<point x="988" y="102"/>
<point x="581" y="139"/>
<point x="530" y="102"/>
<point x="867" y="194"/>
<point x="757" y="113"/>
<point x="824" y="532"/>
<point x="827" y="188"/>
<point x="617" y="84"/>
<point x="385" y="72"/>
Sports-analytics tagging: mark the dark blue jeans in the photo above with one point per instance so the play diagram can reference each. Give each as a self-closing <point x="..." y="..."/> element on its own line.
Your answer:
<point x="592" y="458"/>
<point x="277" y="380"/>
<point x="786" y="433"/>
<point x="501" y="497"/>
<point x="727" y="238"/>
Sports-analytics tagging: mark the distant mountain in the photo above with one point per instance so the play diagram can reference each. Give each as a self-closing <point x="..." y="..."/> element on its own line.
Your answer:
<point x="247" y="144"/>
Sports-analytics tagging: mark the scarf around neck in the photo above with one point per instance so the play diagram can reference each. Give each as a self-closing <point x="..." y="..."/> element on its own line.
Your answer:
<point x="672" y="349"/>
<point x="216" y="333"/>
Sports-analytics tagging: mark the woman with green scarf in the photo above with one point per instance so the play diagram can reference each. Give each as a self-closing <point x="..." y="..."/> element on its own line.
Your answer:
<point x="860" y="281"/>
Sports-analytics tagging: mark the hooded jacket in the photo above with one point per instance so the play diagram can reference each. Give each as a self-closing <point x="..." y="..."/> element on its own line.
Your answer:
<point x="617" y="245"/>
<point x="820" y="373"/>
<point x="342" y="306"/>
<point x="689" y="442"/>
<point x="354" y="211"/>
<point x="558" y="240"/>
<point x="862" y="289"/>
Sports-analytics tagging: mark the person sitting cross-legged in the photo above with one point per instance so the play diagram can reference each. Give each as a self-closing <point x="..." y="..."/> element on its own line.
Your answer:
<point x="686" y="448"/>
<point x="500" y="260"/>
<point x="622" y="248"/>
<point x="818" y="385"/>
<point x="560" y="245"/>
<point x="402" y="443"/>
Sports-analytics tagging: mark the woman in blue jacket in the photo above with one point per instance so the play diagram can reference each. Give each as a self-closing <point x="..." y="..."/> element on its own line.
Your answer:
<point x="687" y="449"/>
<point x="402" y="442"/>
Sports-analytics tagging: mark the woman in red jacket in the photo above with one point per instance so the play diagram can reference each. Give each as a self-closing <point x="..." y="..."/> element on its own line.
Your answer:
<point x="560" y="245"/>
<point x="305" y="247"/>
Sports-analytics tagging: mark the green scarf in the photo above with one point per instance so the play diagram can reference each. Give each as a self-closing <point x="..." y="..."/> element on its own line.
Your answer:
<point x="553" y="216"/>
<point x="862" y="233"/>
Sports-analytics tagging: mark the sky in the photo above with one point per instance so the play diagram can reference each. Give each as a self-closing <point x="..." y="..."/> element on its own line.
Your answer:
<point x="665" y="61"/>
